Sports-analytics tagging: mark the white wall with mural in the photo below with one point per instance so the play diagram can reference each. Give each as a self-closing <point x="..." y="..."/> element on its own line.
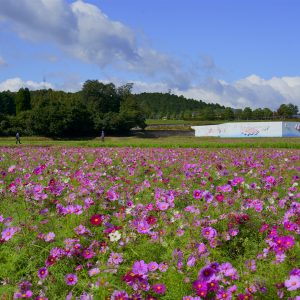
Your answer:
<point x="250" y="129"/>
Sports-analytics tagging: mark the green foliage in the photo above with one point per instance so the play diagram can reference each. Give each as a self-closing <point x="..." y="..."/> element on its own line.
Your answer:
<point x="287" y="110"/>
<point x="159" y="105"/>
<point x="7" y="104"/>
<point x="247" y="113"/>
<point x="23" y="101"/>
<point x="99" y="97"/>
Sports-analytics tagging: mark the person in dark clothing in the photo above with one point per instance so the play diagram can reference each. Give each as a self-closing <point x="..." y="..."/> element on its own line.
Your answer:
<point x="102" y="135"/>
<point x="18" y="140"/>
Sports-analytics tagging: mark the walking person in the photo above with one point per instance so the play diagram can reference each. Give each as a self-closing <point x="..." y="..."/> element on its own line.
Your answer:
<point x="102" y="135"/>
<point x="18" y="140"/>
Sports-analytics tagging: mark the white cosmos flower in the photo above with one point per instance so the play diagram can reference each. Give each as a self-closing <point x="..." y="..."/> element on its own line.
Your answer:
<point x="114" y="236"/>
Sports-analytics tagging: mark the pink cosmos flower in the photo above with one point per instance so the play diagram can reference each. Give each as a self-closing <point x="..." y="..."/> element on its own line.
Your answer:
<point x="88" y="253"/>
<point x="251" y="265"/>
<point x="162" y="205"/>
<point x="8" y="233"/>
<point x="81" y="229"/>
<point x="25" y="294"/>
<point x="152" y="266"/>
<point x="208" y="196"/>
<point x="94" y="271"/>
<point x="293" y="283"/>
<point x="43" y="273"/>
<point x="119" y="295"/>
<point x="140" y="268"/>
<point x="163" y="267"/>
<point x="112" y="195"/>
<point x="41" y="298"/>
<point x="143" y="227"/>
<point x="209" y="232"/>
<point x="115" y="258"/>
<point x="50" y="236"/>
<point x="237" y="180"/>
<point x="71" y="279"/>
<point x="191" y="261"/>
<point x="11" y="169"/>
<point x="202" y="248"/>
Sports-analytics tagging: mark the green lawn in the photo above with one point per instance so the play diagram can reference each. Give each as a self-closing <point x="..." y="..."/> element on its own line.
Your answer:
<point x="165" y="142"/>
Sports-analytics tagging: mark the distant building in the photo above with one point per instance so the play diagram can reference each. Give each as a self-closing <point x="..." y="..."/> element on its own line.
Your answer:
<point x="250" y="129"/>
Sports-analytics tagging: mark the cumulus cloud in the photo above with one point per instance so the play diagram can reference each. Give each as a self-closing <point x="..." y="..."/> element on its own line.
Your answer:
<point x="82" y="30"/>
<point x="14" y="84"/>
<point x="252" y="91"/>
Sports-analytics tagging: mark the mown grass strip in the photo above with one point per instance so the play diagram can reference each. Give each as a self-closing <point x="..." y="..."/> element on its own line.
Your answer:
<point x="163" y="142"/>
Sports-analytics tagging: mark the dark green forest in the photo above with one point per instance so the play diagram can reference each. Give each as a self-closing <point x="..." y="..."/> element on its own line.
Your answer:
<point x="100" y="106"/>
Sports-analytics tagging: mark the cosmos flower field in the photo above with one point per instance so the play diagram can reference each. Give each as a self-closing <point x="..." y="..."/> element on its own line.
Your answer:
<point x="154" y="223"/>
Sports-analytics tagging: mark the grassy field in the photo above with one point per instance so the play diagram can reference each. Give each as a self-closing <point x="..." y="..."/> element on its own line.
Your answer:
<point x="164" y="142"/>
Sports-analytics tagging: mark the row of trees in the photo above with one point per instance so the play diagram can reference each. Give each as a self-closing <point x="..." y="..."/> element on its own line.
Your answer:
<point x="115" y="109"/>
<point x="159" y="105"/>
<point x="59" y="114"/>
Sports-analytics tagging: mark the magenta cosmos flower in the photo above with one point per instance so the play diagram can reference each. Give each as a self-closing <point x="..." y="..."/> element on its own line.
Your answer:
<point x="71" y="279"/>
<point x="42" y="273"/>
<point x="159" y="288"/>
<point x="88" y="253"/>
<point x="200" y="287"/>
<point x="206" y="273"/>
<point x="209" y="232"/>
<point x="96" y="220"/>
<point x="197" y="194"/>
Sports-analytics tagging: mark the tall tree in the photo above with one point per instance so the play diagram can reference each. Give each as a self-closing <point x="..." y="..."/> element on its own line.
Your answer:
<point x="247" y="113"/>
<point x="7" y="104"/>
<point x="228" y="113"/>
<point x="23" y="100"/>
<point x="100" y="97"/>
<point x="287" y="110"/>
<point x="267" y="113"/>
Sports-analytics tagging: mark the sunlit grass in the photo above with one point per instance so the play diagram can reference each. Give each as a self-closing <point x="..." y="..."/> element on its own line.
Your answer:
<point x="164" y="142"/>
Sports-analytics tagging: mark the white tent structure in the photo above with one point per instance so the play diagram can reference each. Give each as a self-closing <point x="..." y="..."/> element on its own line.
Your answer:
<point x="250" y="129"/>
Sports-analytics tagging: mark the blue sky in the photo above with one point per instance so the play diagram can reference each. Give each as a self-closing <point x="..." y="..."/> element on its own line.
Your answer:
<point x="237" y="53"/>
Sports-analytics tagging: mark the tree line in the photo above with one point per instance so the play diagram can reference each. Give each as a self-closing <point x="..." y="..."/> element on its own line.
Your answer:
<point x="100" y="106"/>
<point x="168" y="106"/>
<point x="46" y="112"/>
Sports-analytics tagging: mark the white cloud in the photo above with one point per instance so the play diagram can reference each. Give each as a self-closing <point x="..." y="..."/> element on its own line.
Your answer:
<point x="14" y="84"/>
<point x="252" y="91"/>
<point x="83" y="31"/>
